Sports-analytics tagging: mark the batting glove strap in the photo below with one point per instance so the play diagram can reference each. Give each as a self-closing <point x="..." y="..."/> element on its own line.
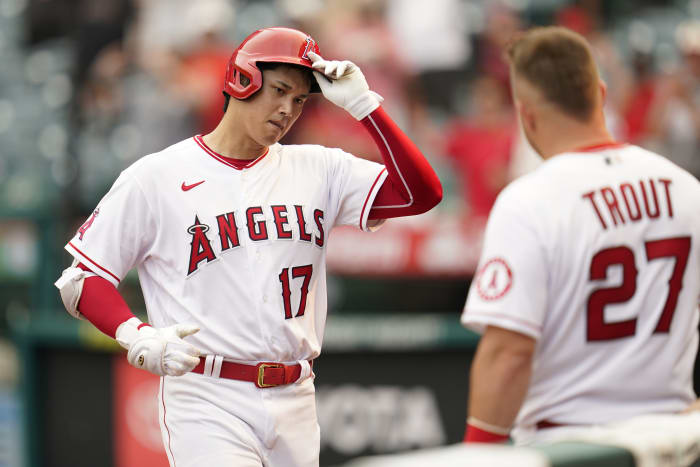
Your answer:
<point x="161" y="351"/>
<point x="343" y="83"/>
<point x="128" y="331"/>
<point x="364" y="105"/>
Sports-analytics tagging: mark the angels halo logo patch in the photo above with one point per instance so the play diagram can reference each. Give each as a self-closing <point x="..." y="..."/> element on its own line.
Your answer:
<point x="494" y="279"/>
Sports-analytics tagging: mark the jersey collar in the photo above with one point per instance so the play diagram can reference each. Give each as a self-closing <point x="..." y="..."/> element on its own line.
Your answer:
<point x="238" y="164"/>
<point x="600" y="146"/>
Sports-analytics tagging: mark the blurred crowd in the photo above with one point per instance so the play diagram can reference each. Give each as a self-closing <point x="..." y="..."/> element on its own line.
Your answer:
<point x="145" y="74"/>
<point x="149" y="74"/>
<point x="95" y="84"/>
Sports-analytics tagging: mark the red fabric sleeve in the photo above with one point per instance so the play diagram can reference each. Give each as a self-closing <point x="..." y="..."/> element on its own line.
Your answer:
<point x="477" y="435"/>
<point x="102" y="305"/>
<point x="411" y="187"/>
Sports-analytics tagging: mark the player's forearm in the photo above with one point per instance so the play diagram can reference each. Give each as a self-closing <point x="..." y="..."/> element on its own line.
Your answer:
<point x="498" y="388"/>
<point x="160" y="351"/>
<point x="499" y="381"/>
<point x="102" y="305"/>
<point x="412" y="186"/>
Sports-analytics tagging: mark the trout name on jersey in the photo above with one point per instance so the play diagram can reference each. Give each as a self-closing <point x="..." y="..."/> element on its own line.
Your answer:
<point x="280" y="222"/>
<point x="630" y="202"/>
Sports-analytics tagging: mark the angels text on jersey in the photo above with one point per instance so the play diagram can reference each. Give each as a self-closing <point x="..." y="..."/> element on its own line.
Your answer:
<point x="253" y="224"/>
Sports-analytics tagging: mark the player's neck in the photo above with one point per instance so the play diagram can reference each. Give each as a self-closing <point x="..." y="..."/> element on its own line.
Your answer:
<point x="568" y="135"/>
<point x="228" y="142"/>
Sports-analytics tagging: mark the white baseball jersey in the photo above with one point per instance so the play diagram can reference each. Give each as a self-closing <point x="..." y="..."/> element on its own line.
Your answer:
<point x="596" y="255"/>
<point x="238" y="252"/>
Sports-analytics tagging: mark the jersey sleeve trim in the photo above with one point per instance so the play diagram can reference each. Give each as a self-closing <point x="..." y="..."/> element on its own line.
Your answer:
<point x="479" y="320"/>
<point x="374" y="189"/>
<point x="95" y="267"/>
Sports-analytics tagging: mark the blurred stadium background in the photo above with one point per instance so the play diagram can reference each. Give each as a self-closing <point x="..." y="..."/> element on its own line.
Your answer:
<point x="89" y="86"/>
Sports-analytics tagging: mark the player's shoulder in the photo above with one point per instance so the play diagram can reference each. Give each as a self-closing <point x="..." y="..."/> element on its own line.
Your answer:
<point x="649" y="164"/>
<point x="527" y="188"/>
<point x="543" y="184"/>
<point x="313" y="155"/>
<point x="567" y="172"/>
<point x="662" y="164"/>
<point x="309" y="150"/>
<point x="155" y="162"/>
<point x="568" y="168"/>
<point x="517" y="198"/>
<point x="169" y="155"/>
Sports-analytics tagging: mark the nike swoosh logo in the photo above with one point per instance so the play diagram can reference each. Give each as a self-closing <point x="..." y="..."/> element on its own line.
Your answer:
<point x="189" y="187"/>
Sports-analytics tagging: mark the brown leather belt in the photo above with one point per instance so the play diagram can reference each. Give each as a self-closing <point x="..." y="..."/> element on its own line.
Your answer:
<point x="264" y="374"/>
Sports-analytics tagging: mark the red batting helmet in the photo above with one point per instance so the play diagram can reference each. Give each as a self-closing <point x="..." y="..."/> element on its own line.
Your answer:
<point x="278" y="45"/>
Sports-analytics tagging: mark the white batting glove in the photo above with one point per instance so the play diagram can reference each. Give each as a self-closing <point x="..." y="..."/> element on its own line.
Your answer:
<point x="343" y="83"/>
<point x="159" y="350"/>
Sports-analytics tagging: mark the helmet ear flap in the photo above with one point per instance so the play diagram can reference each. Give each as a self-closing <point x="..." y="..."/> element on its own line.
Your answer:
<point x="243" y="80"/>
<point x="238" y="82"/>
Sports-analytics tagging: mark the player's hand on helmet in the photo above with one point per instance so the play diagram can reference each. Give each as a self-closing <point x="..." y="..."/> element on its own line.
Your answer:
<point x="343" y="83"/>
<point x="161" y="351"/>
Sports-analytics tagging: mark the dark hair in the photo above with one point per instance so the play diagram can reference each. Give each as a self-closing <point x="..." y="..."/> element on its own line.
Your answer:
<point x="262" y="66"/>
<point x="559" y="63"/>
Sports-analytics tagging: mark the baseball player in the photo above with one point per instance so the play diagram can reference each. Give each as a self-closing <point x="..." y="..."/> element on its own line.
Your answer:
<point x="588" y="283"/>
<point x="228" y="232"/>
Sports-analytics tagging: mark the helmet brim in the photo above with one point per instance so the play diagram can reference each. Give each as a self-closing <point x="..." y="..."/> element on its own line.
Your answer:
<point x="315" y="88"/>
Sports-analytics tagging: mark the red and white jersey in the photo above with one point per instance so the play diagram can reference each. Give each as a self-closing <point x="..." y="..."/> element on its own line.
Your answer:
<point x="596" y="255"/>
<point x="238" y="252"/>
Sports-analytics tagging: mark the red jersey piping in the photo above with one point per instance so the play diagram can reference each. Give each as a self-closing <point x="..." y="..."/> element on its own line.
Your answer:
<point x="162" y="398"/>
<point x="226" y="160"/>
<point x="362" y="213"/>
<point x="93" y="262"/>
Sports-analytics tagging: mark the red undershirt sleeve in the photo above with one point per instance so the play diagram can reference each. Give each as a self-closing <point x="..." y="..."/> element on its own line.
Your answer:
<point x="411" y="187"/>
<point x="477" y="435"/>
<point x="102" y="304"/>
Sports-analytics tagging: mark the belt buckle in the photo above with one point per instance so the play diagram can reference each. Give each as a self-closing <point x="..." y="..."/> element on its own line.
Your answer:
<point x="261" y="374"/>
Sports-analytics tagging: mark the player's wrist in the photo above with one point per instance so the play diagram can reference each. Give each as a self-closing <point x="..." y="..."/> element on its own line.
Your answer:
<point x="364" y="104"/>
<point x="130" y="330"/>
<point x="479" y="431"/>
<point x="160" y="351"/>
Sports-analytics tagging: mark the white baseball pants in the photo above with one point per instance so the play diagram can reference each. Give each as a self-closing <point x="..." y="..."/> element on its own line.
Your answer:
<point x="216" y="422"/>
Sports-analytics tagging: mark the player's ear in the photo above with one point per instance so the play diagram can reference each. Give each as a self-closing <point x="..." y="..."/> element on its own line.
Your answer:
<point x="603" y="89"/>
<point x="527" y="116"/>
